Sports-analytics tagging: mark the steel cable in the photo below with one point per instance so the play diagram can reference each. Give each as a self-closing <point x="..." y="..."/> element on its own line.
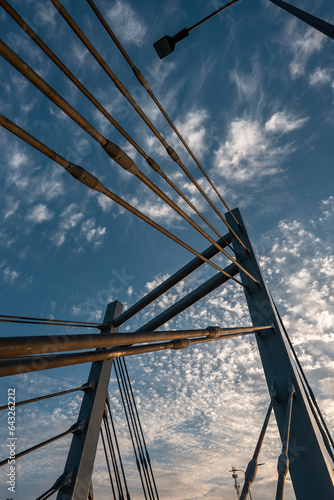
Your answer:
<point x="113" y="457"/>
<point x="135" y="430"/>
<point x="140" y="77"/>
<point x="89" y="180"/>
<point x="70" y="21"/>
<point x="41" y="398"/>
<point x="130" y="430"/>
<point x="117" y="447"/>
<point x="51" y="320"/>
<point x="108" y="465"/>
<point x="98" y="105"/>
<point x="112" y="150"/>
<point x="140" y="427"/>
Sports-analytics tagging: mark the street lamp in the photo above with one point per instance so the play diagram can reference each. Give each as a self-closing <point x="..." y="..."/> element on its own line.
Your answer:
<point x="166" y="44"/>
<point x="241" y="470"/>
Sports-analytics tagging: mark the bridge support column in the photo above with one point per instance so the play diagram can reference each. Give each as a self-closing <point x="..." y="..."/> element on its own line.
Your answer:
<point x="310" y="469"/>
<point x="81" y="456"/>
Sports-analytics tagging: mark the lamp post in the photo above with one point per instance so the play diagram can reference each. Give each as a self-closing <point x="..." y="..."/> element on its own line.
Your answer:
<point x="241" y="470"/>
<point x="166" y="44"/>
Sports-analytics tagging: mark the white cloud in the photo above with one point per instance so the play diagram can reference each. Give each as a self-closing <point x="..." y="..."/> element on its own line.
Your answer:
<point x="194" y="131"/>
<point x="250" y="151"/>
<point x="9" y="275"/>
<point x="281" y="122"/>
<point x="40" y="213"/>
<point x="126" y="23"/>
<point x="93" y="234"/>
<point x="303" y="47"/>
<point x="321" y="77"/>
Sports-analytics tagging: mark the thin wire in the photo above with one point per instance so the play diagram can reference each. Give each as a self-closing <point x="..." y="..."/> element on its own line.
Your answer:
<point x="48" y="323"/>
<point x="15" y="129"/>
<point x="70" y="21"/>
<point x="34" y="78"/>
<point x="212" y="15"/>
<point x="97" y="104"/>
<point x="41" y="398"/>
<point x="130" y="430"/>
<point x="117" y="447"/>
<point x="108" y="465"/>
<point x="144" y="83"/>
<point x="52" y="320"/>
<point x="136" y="431"/>
<point x="140" y="426"/>
<point x="72" y="429"/>
<point x="113" y="457"/>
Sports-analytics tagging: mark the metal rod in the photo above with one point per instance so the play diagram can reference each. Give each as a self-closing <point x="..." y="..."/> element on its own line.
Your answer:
<point x="252" y="467"/>
<point x="169" y="283"/>
<point x="41" y="398"/>
<point x="117" y="447"/>
<point x="212" y="15"/>
<point x="140" y="426"/>
<point x="46" y="89"/>
<point x="11" y="347"/>
<point x="135" y="430"/>
<point x="283" y="459"/>
<point x="49" y="92"/>
<point x="113" y="457"/>
<point x="52" y="320"/>
<point x="108" y="465"/>
<point x="46" y="323"/>
<point x="92" y="182"/>
<point x="317" y="23"/>
<point x="64" y="13"/>
<point x="39" y="363"/>
<point x="126" y="412"/>
<point x="189" y="300"/>
<point x="96" y="103"/>
<point x="146" y="86"/>
<point x="77" y="426"/>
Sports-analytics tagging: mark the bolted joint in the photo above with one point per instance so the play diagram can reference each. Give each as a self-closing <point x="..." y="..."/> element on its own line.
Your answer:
<point x="173" y="154"/>
<point x="181" y="344"/>
<point x="251" y="471"/>
<point x="140" y="77"/>
<point x="85" y="177"/>
<point x="214" y="332"/>
<point x="283" y="465"/>
<point x="119" y="156"/>
<point x="153" y="164"/>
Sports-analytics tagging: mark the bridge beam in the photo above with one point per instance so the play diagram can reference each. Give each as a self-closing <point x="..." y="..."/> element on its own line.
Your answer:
<point x="310" y="469"/>
<point x="81" y="456"/>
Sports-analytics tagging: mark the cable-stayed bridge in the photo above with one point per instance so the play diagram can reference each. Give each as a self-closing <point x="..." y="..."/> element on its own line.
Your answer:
<point x="297" y="413"/>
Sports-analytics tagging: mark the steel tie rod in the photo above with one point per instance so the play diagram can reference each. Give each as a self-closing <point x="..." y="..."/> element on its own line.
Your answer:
<point x="74" y="428"/>
<point x="140" y="77"/>
<point x="41" y="398"/>
<point x="116" y="153"/>
<point x="11" y="347"/>
<point x="46" y="362"/>
<point x="70" y="21"/>
<point x="92" y="182"/>
<point x="101" y="108"/>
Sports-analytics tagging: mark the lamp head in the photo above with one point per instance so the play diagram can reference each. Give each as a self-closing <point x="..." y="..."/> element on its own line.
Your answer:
<point x="166" y="44"/>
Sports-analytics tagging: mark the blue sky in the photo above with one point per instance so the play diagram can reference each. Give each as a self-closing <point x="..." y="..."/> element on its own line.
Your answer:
<point x="252" y="91"/>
